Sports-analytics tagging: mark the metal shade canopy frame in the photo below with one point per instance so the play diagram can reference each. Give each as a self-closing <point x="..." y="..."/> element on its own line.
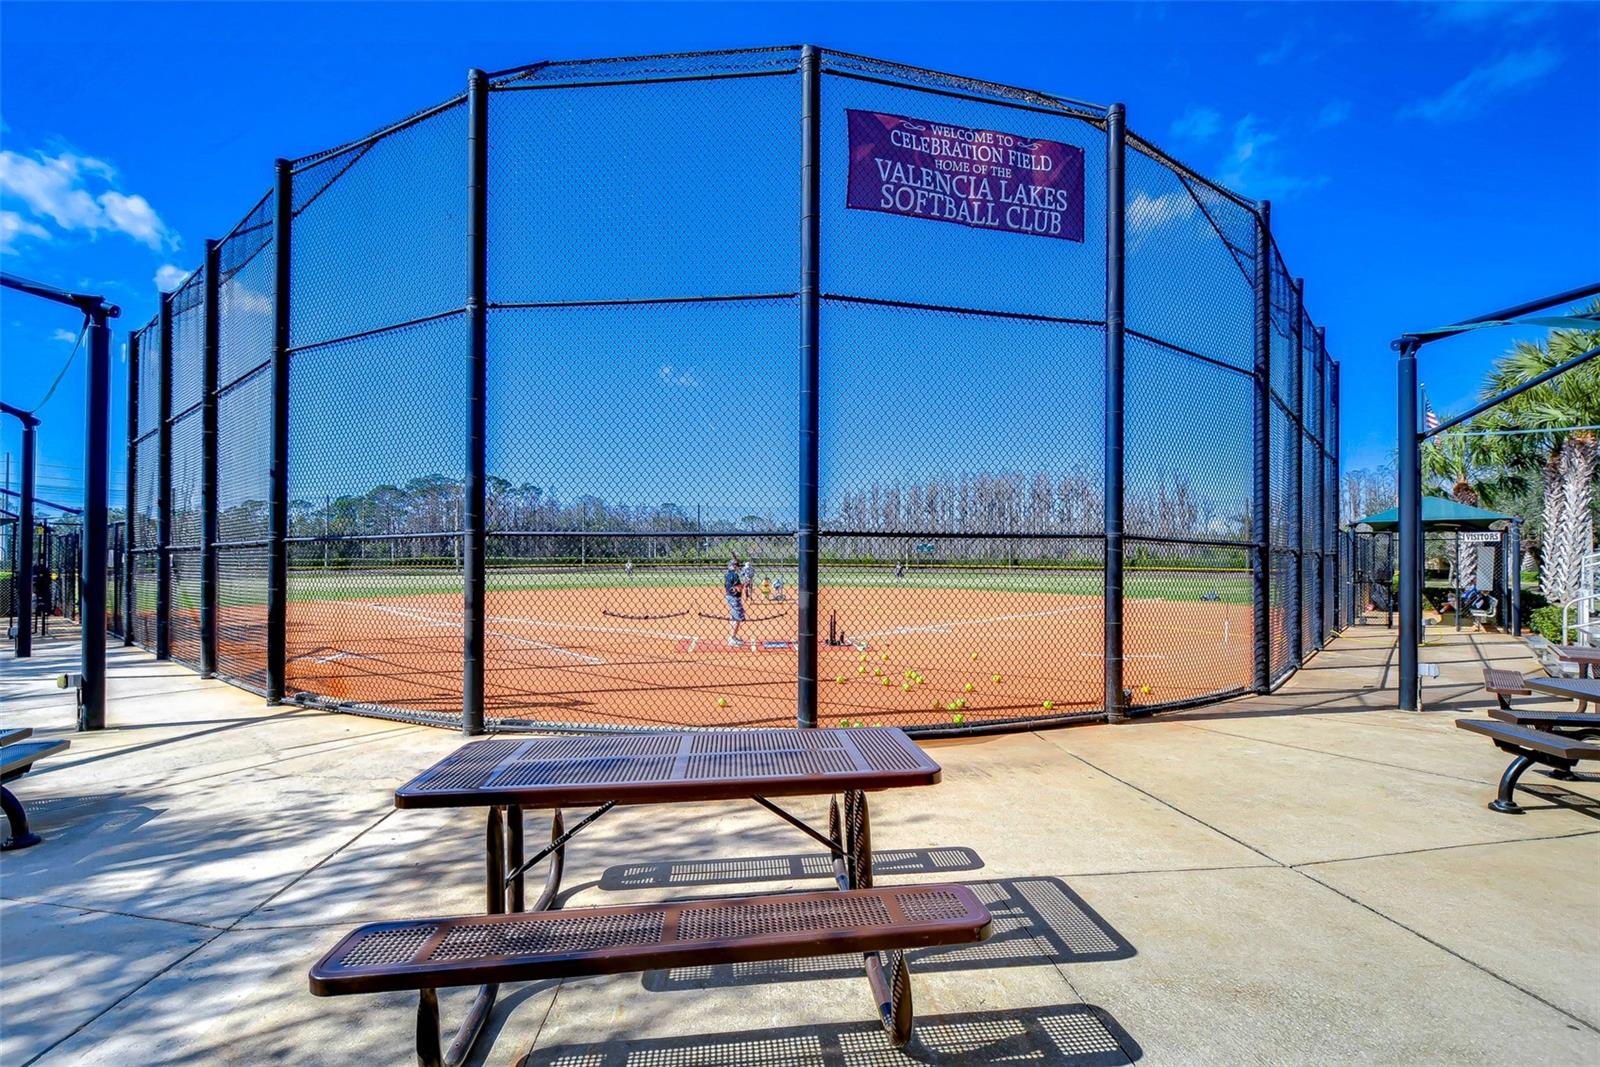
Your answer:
<point x="1411" y="436"/>
<point x="96" y="487"/>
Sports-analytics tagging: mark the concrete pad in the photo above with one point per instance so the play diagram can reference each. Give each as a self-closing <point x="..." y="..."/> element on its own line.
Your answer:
<point x="244" y="999"/>
<point x="1299" y="806"/>
<point x="1492" y="904"/>
<point x="64" y="966"/>
<point x="1265" y="966"/>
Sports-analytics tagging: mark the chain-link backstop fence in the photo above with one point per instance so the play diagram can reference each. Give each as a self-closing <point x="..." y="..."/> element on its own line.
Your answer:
<point x="735" y="389"/>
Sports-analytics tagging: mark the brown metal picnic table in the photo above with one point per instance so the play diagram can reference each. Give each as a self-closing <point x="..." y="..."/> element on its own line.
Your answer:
<point x="1587" y="657"/>
<point x="1583" y="690"/>
<point x="507" y="775"/>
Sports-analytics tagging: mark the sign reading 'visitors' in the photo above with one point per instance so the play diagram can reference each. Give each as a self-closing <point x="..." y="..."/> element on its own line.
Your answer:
<point x="980" y="178"/>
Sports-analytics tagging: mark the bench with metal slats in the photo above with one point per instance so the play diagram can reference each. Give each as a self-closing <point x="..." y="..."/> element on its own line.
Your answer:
<point x="1505" y="683"/>
<point x="17" y="757"/>
<point x="1528" y="747"/>
<point x="428" y="954"/>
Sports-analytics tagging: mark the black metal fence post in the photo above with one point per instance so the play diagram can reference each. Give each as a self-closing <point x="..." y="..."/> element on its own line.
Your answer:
<point x="164" y="485"/>
<point x="810" y="370"/>
<point x="129" y="606"/>
<point x="1261" y="576"/>
<point x="1515" y="552"/>
<point x="208" y="465"/>
<point x="24" y="575"/>
<point x="1319" y="478"/>
<point x="1410" y="461"/>
<point x="1294" y="618"/>
<point x="1116" y="218"/>
<point x="1334" y="475"/>
<point x="92" y="530"/>
<point x="278" y="503"/>
<point x="474" y="574"/>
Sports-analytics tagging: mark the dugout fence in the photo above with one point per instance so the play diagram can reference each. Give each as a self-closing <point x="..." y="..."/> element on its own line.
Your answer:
<point x="1015" y="417"/>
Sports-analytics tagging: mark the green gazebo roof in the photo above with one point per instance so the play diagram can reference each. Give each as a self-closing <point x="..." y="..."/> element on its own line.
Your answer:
<point x="1441" y="513"/>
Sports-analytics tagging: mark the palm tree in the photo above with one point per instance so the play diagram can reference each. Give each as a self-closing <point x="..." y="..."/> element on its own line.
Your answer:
<point x="1566" y="409"/>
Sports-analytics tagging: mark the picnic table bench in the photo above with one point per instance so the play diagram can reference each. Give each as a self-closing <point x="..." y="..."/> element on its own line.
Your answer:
<point x="1527" y="747"/>
<point x="17" y="757"/>
<point x="510" y="944"/>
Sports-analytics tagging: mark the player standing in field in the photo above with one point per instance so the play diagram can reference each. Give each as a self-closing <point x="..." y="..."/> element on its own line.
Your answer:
<point x="733" y="592"/>
<point x="747" y="578"/>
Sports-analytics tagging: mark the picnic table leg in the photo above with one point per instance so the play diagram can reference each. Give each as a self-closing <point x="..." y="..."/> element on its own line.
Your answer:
<point x="514" y="891"/>
<point x="495" y="848"/>
<point x="552" y="878"/>
<point x="1508" y="784"/>
<point x="892" y="994"/>
<point x="17" y="819"/>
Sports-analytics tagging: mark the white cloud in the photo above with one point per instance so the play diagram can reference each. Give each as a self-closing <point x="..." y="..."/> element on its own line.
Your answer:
<point x="1198" y="123"/>
<point x="1150" y="212"/>
<point x="1511" y="72"/>
<point x="65" y="336"/>
<point x="1479" y="14"/>
<point x="57" y="188"/>
<point x="1278" y="53"/>
<point x="13" y="226"/>
<point x="1253" y="166"/>
<point x="1333" y="113"/>
<point x="169" y="277"/>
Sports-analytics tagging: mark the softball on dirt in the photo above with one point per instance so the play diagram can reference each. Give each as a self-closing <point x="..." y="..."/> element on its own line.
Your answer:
<point x="994" y="678"/>
<point x="958" y="718"/>
<point x="974" y="657"/>
<point x="884" y="682"/>
<point x="968" y="688"/>
<point x="861" y="670"/>
<point x="722" y="702"/>
<point x="839" y="679"/>
<point x="1144" y="689"/>
<point x="1048" y="704"/>
<point x="905" y="687"/>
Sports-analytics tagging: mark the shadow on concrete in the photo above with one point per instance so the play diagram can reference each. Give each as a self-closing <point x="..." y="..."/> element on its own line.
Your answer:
<point x="1036" y="921"/>
<point x="1557" y="797"/>
<point x="1069" y="1035"/>
<point x="886" y="863"/>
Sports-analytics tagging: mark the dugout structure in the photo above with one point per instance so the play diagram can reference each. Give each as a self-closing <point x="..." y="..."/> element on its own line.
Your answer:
<point x="463" y="420"/>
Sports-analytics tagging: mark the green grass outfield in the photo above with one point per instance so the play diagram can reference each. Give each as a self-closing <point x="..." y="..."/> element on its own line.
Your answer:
<point x="315" y="585"/>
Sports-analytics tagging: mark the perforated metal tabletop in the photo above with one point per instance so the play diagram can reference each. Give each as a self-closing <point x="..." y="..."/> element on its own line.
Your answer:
<point x="658" y="768"/>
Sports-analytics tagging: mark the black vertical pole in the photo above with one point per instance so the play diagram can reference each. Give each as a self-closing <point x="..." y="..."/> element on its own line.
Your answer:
<point x="25" y="545"/>
<point x="1319" y="477"/>
<point x="128" y="603"/>
<point x="1334" y="475"/>
<point x="1261" y="571"/>
<point x="1116" y="216"/>
<point x="1294" y="619"/>
<point x="1515" y="552"/>
<point x="1410" y="459"/>
<point x="278" y="504"/>
<point x="474" y="575"/>
<point x="1455" y="569"/>
<point x="92" y="531"/>
<point x="164" y="485"/>
<point x="208" y="463"/>
<point x="810" y="372"/>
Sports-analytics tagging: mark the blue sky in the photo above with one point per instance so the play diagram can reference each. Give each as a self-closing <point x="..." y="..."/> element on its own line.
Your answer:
<point x="1425" y="162"/>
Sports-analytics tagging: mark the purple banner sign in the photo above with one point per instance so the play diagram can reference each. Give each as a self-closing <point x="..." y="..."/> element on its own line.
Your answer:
<point x="981" y="178"/>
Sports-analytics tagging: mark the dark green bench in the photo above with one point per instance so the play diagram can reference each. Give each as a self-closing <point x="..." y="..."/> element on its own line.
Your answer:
<point x="1528" y="747"/>
<point x="17" y="757"/>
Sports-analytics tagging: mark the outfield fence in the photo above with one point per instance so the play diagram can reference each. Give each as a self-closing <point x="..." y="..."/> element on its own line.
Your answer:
<point x="1013" y="416"/>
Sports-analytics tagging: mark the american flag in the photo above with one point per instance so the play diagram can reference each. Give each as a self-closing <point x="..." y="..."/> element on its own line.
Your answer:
<point x="1429" y="419"/>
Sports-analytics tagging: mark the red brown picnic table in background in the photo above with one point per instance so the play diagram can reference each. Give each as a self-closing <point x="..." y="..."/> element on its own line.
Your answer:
<point x="1586" y="657"/>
